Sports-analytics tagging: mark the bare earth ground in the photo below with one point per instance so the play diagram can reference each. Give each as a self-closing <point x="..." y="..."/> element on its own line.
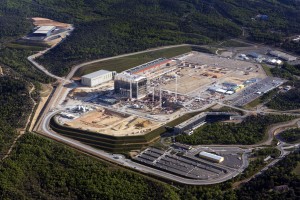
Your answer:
<point x="38" y="21"/>
<point x="106" y="122"/>
<point x="45" y="92"/>
<point x="217" y="71"/>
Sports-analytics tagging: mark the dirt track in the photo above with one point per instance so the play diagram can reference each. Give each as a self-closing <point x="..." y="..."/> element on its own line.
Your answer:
<point x="38" y="21"/>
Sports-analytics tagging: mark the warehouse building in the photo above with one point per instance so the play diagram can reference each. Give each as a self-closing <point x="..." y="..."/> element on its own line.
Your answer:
<point x="97" y="78"/>
<point x="283" y="56"/>
<point x="152" y="65"/>
<point x="44" y="31"/>
<point x="190" y="124"/>
<point x="130" y="86"/>
<point x="210" y="156"/>
<point x="254" y="55"/>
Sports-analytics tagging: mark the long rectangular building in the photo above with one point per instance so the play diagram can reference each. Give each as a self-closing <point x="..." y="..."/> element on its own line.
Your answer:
<point x="283" y="56"/>
<point x="190" y="123"/>
<point x="211" y="157"/>
<point x="97" y="78"/>
<point x="148" y="66"/>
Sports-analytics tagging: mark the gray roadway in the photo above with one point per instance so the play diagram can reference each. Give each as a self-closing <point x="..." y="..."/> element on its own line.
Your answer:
<point x="129" y="163"/>
<point x="43" y="129"/>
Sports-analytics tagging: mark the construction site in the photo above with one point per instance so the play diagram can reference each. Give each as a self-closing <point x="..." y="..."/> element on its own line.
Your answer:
<point x="146" y="98"/>
<point x="111" y="123"/>
<point x="46" y="32"/>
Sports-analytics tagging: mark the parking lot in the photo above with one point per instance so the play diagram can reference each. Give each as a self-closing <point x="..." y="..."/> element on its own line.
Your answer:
<point x="188" y="165"/>
<point x="256" y="90"/>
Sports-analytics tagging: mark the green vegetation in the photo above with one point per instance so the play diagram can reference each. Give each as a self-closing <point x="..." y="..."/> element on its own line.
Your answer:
<point x="42" y="169"/>
<point x="250" y="131"/>
<point x="253" y="103"/>
<point x="107" y="28"/>
<point x="286" y="71"/>
<point x="254" y="166"/>
<point x="296" y="171"/>
<point x="267" y="69"/>
<point x="16" y="59"/>
<point x="291" y="46"/>
<point x="113" y="143"/>
<point x="15" y="106"/>
<point x="257" y="161"/>
<point x="262" y="187"/>
<point x="12" y="26"/>
<point x="268" y="151"/>
<point x="121" y="64"/>
<point x="106" y="142"/>
<point x="291" y="135"/>
<point x="24" y="47"/>
<point x="14" y="101"/>
<point x="233" y="43"/>
<point x="289" y="100"/>
<point x="263" y="99"/>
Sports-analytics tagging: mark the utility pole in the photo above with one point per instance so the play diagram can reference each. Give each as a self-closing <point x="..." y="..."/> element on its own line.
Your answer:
<point x="153" y="95"/>
<point x="160" y="103"/>
<point x="137" y="89"/>
<point x="130" y="90"/>
<point x="176" y="88"/>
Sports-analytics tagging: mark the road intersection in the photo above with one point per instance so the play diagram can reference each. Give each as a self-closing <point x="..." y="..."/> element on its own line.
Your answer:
<point x="42" y="127"/>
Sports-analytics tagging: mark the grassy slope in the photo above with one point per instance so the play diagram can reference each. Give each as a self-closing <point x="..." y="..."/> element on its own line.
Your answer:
<point x="297" y="170"/>
<point x="121" y="64"/>
<point x="110" y="28"/>
<point x="267" y="69"/>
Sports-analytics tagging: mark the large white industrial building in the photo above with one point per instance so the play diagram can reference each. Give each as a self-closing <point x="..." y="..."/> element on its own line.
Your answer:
<point x="131" y="86"/>
<point x="44" y="31"/>
<point x="97" y="78"/>
<point x="211" y="157"/>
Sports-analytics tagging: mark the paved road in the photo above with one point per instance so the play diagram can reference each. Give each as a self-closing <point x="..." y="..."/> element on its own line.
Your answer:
<point x="40" y="67"/>
<point x="43" y="129"/>
<point x="63" y="81"/>
<point x="46" y="131"/>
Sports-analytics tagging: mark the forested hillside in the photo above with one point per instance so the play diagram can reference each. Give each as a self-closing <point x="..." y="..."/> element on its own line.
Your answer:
<point x="106" y="28"/>
<point x="250" y="131"/>
<point x="15" y="108"/>
<point x="42" y="169"/>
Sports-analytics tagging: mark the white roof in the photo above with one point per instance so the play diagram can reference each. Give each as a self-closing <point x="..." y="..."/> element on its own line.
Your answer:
<point x="130" y="77"/>
<point x="229" y="92"/>
<point x="213" y="88"/>
<point x="96" y="74"/>
<point x="44" y="29"/>
<point x="221" y="90"/>
<point x="210" y="155"/>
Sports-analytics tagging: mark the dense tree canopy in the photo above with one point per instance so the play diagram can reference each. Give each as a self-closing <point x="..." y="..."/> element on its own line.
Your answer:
<point x="106" y="28"/>
<point x="42" y="169"/>
<point x="291" y="135"/>
<point x="289" y="100"/>
<point x="250" y="131"/>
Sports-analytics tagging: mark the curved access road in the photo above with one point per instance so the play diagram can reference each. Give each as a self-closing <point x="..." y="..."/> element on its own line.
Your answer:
<point x="46" y="131"/>
<point x="76" y="67"/>
<point x="42" y="128"/>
